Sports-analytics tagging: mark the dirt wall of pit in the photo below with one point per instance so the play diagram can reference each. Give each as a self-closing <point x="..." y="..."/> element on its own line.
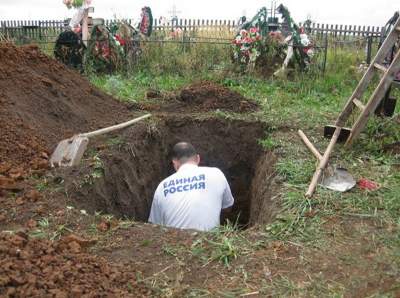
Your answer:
<point x="134" y="167"/>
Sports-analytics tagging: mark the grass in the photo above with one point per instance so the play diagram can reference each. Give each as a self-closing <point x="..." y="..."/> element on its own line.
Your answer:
<point x="223" y="245"/>
<point x="132" y="88"/>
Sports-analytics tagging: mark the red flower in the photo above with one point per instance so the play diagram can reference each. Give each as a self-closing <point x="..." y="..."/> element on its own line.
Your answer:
<point x="254" y="30"/>
<point x="121" y="41"/>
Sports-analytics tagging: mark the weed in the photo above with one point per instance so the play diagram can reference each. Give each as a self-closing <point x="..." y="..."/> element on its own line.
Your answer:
<point x="115" y="141"/>
<point x="224" y="251"/>
<point x="223" y="244"/>
<point x="60" y="230"/>
<point x="285" y="287"/>
<point x="44" y="223"/>
<point x="169" y="250"/>
<point x="269" y="143"/>
<point x="97" y="169"/>
<point x="125" y="224"/>
<point x="42" y="185"/>
<point x="146" y="242"/>
<point x="46" y="231"/>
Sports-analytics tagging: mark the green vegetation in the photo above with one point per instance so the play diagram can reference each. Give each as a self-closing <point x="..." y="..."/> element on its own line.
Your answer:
<point x="46" y="231"/>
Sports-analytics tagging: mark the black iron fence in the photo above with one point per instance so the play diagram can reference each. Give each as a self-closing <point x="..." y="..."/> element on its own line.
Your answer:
<point x="39" y="28"/>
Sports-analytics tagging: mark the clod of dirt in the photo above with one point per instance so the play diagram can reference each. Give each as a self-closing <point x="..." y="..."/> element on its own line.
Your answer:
<point x="40" y="268"/>
<point x="42" y="102"/>
<point x="132" y="170"/>
<point x="152" y="93"/>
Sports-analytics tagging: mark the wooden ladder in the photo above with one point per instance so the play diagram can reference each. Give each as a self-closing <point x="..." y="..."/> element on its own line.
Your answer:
<point x="356" y="102"/>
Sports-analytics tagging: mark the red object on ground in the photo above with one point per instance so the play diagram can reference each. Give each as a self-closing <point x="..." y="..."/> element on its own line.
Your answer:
<point x="366" y="184"/>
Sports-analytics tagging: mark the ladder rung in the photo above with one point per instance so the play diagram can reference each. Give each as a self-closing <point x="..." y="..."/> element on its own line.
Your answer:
<point x="380" y="67"/>
<point x="359" y="104"/>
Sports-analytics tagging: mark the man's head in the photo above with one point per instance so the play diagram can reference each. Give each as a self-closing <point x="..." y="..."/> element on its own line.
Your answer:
<point x="182" y="153"/>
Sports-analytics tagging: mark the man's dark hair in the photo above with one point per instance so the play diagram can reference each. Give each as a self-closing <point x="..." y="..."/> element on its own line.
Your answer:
<point x="183" y="150"/>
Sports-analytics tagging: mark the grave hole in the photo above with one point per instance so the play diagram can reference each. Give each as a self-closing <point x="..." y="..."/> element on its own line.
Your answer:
<point x="134" y="167"/>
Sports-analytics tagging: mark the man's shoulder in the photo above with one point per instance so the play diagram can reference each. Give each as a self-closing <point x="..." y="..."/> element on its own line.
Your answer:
<point x="169" y="178"/>
<point x="212" y="170"/>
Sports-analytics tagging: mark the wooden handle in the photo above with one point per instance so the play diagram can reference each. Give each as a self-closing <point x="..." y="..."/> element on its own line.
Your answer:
<point x="322" y="164"/>
<point x="309" y="145"/>
<point x="114" y="127"/>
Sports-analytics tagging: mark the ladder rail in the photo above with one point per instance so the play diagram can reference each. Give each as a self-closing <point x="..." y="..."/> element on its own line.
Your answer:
<point x="368" y="75"/>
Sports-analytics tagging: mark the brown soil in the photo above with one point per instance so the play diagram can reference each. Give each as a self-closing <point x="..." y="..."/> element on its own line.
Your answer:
<point x="41" y="268"/>
<point x="208" y="95"/>
<point x="42" y="102"/>
<point x="199" y="97"/>
<point x="133" y="170"/>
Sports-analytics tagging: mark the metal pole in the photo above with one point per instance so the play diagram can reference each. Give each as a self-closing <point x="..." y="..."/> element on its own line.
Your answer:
<point x="325" y="53"/>
<point x="369" y="49"/>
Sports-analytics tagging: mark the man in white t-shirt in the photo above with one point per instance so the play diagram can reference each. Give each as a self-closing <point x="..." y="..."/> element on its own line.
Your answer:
<point x="194" y="196"/>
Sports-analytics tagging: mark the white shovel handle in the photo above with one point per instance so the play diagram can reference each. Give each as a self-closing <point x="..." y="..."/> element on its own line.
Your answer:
<point x="113" y="128"/>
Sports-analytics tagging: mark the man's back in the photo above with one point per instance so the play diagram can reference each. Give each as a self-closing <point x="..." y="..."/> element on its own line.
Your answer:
<point x="192" y="198"/>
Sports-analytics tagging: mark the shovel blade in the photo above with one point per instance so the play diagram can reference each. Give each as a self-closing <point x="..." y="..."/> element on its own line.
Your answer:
<point x="69" y="152"/>
<point x="338" y="179"/>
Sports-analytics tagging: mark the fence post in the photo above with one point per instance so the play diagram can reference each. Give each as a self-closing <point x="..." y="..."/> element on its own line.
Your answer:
<point x="369" y="49"/>
<point x="326" y="53"/>
<point x="155" y="25"/>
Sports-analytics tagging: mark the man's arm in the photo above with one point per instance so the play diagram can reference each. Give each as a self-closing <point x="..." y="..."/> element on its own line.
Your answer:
<point x="227" y="198"/>
<point x="155" y="212"/>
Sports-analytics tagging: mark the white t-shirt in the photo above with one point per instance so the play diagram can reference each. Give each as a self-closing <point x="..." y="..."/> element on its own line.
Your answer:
<point x="192" y="198"/>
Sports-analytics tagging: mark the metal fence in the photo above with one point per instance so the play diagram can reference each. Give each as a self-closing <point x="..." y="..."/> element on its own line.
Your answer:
<point x="346" y="31"/>
<point x="38" y="28"/>
<point x="364" y="39"/>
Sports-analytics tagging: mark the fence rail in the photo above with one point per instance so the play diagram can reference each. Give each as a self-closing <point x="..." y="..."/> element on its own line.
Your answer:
<point x="36" y="28"/>
<point x="347" y="30"/>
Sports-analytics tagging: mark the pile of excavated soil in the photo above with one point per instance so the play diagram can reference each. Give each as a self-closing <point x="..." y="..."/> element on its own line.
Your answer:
<point x="42" y="102"/>
<point x="200" y="97"/>
<point x="211" y="96"/>
<point x="41" y="268"/>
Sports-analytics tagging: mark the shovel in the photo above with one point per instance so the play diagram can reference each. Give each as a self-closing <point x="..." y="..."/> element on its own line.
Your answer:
<point x="338" y="179"/>
<point x="69" y="152"/>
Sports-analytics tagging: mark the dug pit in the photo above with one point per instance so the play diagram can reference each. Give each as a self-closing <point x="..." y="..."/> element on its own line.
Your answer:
<point x="121" y="180"/>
